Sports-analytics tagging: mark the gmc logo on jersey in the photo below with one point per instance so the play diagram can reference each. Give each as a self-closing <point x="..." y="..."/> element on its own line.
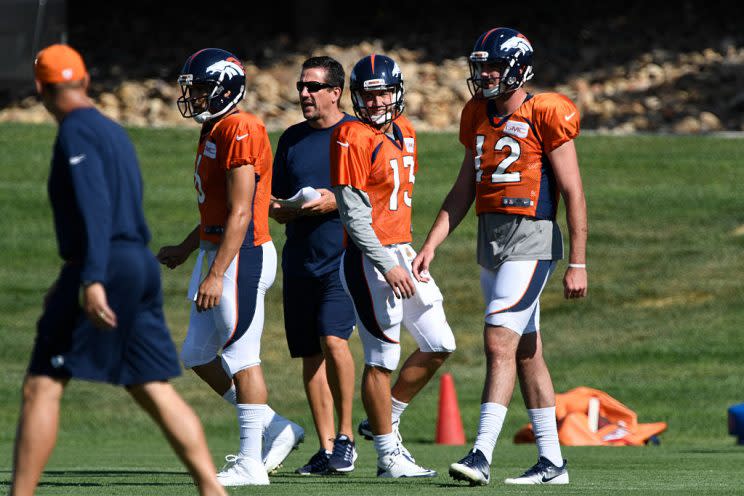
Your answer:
<point x="518" y="129"/>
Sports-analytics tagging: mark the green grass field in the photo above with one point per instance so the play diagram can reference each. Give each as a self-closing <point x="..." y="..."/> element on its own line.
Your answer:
<point x="660" y="330"/>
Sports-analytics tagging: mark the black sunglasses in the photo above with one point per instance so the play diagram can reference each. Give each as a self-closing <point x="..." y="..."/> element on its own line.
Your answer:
<point x="312" y="86"/>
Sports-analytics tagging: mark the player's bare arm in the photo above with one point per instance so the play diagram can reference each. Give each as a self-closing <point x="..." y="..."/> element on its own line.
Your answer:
<point x="456" y="204"/>
<point x="241" y="183"/>
<point x="173" y="256"/>
<point x="567" y="174"/>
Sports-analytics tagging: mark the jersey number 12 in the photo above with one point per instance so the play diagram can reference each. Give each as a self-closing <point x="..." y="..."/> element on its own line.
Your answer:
<point x="499" y="175"/>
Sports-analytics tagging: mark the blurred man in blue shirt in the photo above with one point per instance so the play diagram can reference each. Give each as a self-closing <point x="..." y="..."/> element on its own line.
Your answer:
<point x="103" y="319"/>
<point x="318" y="315"/>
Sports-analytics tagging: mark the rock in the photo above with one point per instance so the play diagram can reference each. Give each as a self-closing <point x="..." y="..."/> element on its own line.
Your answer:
<point x="436" y="115"/>
<point x="267" y="88"/>
<point x="627" y="127"/>
<point x="108" y="103"/>
<point x="709" y="122"/>
<point x="655" y="74"/>
<point x="641" y="123"/>
<point x="36" y="114"/>
<point x="688" y="125"/>
<point x="132" y="96"/>
<point x="414" y="102"/>
<point x="652" y="103"/>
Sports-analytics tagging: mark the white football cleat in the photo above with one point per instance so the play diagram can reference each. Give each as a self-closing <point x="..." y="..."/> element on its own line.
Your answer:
<point x="365" y="430"/>
<point x="396" y="465"/>
<point x="279" y="439"/>
<point x="242" y="471"/>
<point x="543" y="472"/>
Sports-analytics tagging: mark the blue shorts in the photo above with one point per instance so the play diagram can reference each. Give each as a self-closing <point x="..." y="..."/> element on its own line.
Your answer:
<point x="314" y="307"/>
<point x="137" y="351"/>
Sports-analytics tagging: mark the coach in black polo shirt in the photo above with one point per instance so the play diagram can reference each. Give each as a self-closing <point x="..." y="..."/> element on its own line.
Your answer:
<point x="318" y="315"/>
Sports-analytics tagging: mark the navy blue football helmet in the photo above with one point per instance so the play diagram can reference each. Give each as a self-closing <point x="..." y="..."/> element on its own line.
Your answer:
<point x="212" y="83"/>
<point x="504" y="47"/>
<point x="375" y="73"/>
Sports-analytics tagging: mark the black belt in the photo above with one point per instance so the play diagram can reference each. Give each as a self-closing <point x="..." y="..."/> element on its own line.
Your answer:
<point x="214" y="229"/>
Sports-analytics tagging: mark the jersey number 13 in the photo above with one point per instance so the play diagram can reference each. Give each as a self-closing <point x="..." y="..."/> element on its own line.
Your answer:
<point x="408" y="163"/>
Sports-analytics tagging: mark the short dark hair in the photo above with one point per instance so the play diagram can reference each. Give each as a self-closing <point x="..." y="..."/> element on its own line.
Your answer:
<point x="334" y="71"/>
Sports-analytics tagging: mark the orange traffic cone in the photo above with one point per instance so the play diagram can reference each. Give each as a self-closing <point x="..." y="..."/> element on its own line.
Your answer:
<point x="449" y="423"/>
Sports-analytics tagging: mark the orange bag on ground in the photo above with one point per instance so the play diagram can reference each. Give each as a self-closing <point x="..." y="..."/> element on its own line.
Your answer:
<point x="590" y="417"/>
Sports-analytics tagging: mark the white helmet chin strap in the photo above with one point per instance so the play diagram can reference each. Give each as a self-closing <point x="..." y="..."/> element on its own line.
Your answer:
<point x="203" y="117"/>
<point x="208" y="116"/>
<point x="492" y="92"/>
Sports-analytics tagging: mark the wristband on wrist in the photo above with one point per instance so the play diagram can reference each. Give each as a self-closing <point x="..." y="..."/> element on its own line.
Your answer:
<point x="577" y="266"/>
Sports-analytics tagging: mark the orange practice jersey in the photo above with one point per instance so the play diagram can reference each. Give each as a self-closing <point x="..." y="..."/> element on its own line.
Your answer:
<point x="236" y="140"/>
<point x="513" y="173"/>
<point x="367" y="159"/>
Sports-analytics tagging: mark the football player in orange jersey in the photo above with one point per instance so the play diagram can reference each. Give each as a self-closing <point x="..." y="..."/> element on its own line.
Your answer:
<point x="519" y="158"/>
<point x="373" y="168"/>
<point x="232" y="177"/>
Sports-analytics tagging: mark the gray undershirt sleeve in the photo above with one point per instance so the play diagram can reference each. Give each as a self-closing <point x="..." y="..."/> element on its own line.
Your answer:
<point x="355" y="211"/>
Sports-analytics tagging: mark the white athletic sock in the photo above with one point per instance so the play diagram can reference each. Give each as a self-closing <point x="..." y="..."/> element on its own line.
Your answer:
<point x="269" y="414"/>
<point x="385" y="443"/>
<point x="491" y="420"/>
<point x="398" y="408"/>
<point x="250" y="421"/>
<point x="546" y="434"/>
<point x="231" y="396"/>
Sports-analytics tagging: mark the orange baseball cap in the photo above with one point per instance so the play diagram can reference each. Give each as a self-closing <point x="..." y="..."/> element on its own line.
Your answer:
<point x="59" y="64"/>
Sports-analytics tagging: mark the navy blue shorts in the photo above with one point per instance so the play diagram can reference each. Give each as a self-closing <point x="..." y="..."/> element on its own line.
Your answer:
<point x="314" y="307"/>
<point x="138" y="350"/>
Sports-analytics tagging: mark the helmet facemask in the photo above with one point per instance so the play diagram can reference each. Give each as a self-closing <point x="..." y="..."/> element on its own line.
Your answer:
<point x="513" y="75"/>
<point x="196" y="98"/>
<point x="373" y="114"/>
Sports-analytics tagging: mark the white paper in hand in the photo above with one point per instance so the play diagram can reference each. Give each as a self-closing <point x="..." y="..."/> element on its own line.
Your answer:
<point x="303" y="196"/>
